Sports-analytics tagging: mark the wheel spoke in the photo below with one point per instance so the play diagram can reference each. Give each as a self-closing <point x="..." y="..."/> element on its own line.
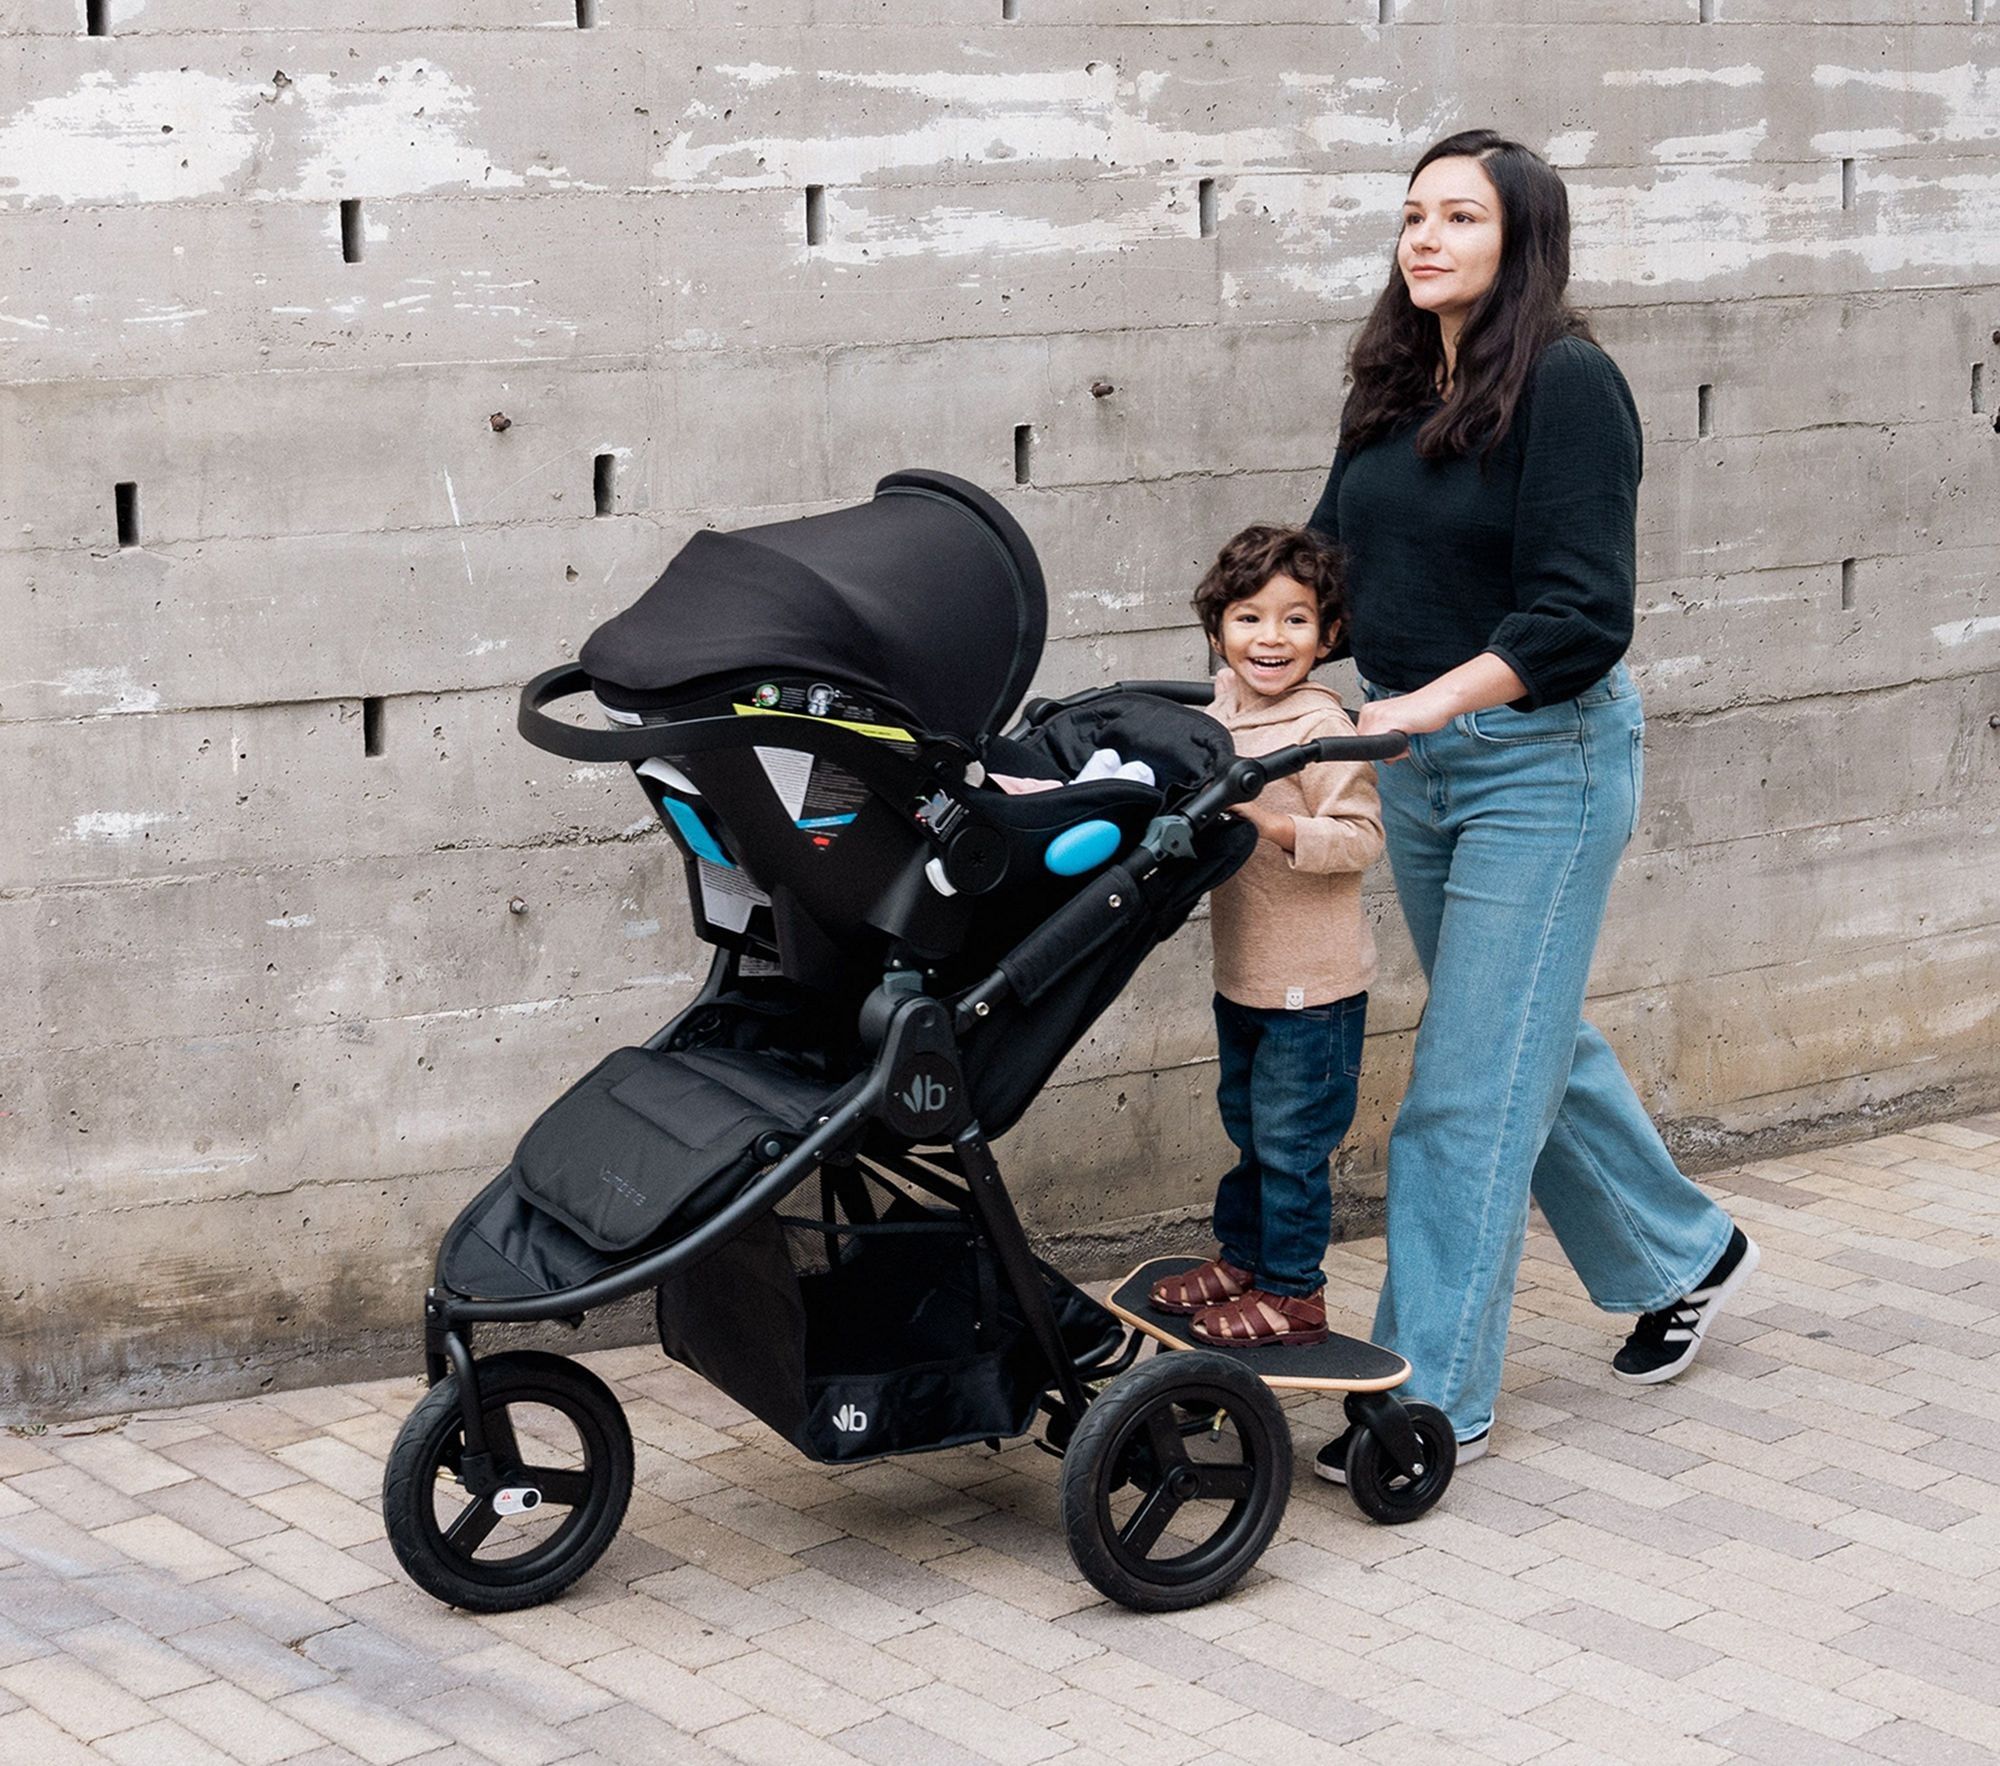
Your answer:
<point x="1226" y="1483"/>
<point x="475" y="1521"/>
<point x="1164" y="1437"/>
<point x="571" y="1489"/>
<point x="1149" y="1520"/>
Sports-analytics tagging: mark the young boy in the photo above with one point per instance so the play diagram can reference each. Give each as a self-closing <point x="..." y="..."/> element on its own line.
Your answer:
<point x="1293" y="953"/>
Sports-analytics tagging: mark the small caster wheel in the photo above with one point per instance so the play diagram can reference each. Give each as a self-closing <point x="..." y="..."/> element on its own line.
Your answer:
<point x="1175" y="1480"/>
<point x="564" y="1453"/>
<point x="1382" y="1490"/>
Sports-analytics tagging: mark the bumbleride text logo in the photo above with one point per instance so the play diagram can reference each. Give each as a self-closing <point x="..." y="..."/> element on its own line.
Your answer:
<point x="637" y="1196"/>
<point x="850" y="1419"/>
<point x="925" y="1097"/>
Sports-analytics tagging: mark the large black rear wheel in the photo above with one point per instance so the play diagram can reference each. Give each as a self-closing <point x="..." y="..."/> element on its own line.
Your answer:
<point x="563" y="1450"/>
<point x="1175" y="1480"/>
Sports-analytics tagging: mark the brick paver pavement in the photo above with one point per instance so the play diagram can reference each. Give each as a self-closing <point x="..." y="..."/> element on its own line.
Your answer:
<point x="1790" y="1555"/>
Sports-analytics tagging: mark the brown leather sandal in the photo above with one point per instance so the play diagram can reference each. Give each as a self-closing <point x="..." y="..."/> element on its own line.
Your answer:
<point x="1207" y="1284"/>
<point x="1246" y="1320"/>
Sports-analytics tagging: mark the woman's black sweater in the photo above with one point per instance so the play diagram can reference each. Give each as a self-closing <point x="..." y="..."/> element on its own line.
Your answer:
<point x="1530" y="555"/>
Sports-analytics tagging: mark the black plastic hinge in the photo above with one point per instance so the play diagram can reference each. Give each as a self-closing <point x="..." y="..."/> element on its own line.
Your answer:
<point x="1169" y="837"/>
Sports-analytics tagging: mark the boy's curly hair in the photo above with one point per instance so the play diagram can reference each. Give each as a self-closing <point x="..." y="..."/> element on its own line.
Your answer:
<point x="1261" y="552"/>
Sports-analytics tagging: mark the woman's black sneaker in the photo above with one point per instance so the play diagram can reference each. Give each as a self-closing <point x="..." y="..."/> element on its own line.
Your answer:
<point x="1664" y="1342"/>
<point x="1331" y="1460"/>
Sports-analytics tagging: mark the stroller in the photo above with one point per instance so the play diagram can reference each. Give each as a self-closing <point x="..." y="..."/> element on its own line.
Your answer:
<point x="799" y="1164"/>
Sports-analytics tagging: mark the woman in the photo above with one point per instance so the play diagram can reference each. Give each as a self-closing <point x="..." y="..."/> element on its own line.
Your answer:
<point x="1485" y="490"/>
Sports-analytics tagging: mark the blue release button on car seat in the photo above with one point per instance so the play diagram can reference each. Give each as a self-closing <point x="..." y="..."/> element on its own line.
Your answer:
<point x="1082" y="848"/>
<point x="700" y="841"/>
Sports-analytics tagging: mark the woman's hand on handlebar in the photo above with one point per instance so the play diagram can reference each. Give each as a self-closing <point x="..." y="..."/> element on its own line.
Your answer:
<point x="1407" y="712"/>
<point x="1485" y="681"/>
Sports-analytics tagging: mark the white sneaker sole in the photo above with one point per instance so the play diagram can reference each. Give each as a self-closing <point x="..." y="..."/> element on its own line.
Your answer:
<point x="1468" y="1451"/>
<point x="1744" y="1270"/>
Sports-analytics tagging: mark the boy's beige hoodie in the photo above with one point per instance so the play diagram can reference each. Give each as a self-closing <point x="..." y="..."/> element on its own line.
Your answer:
<point x="1288" y="928"/>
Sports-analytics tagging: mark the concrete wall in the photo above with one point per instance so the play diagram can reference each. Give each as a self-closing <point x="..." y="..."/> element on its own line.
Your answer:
<point x="262" y="813"/>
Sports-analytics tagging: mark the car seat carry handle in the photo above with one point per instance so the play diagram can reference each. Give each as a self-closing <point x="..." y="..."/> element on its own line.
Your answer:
<point x="890" y="772"/>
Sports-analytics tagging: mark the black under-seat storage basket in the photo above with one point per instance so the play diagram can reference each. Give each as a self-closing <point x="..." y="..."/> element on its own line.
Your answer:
<point x="855" y="1332"/>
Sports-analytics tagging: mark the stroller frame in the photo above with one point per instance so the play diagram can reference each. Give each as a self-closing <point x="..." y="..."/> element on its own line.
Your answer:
<point x="882" y="943"/>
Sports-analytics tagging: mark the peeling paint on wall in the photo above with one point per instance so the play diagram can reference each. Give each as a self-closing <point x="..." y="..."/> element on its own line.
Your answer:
<point x="1968" y="104"/>
<point x="1697" y="226"/>
<point x="1669" y="77"/>
<point x="401" y="133"/>
<point x="1965" y="631"/>
<point x="151" y="136"/>
<point x="115" y="824"/>
<point x="179" y="135"/>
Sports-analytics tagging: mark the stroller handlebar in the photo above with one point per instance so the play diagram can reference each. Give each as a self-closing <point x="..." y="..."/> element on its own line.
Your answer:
<point x="1249" y="775"/>
<point x="1390" y="745"/>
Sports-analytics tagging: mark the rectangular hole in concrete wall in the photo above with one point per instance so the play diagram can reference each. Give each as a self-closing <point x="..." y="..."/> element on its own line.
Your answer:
<point x="1847" y="183"/>
<point x="1704" y="409"/>
<point x="1846" y="584"/>
<point x="1979" y="12"/>
<point x="815" y="214"/>
<point x="586" y="14"/>
<point x="604" y="481"/>
<point x="95" y="21"/>
<point x="1385" y="11"/>
<point x="126" y="499"/>
<point x="1024" y="452"/>
<point x="1204" y="206"/>
<point x="1979" y="387"/>
<point x="350" y="231"/>
<point x="1010" y="10"/>
<point x="371" y="727"/>
<point x="1705" y="11"/>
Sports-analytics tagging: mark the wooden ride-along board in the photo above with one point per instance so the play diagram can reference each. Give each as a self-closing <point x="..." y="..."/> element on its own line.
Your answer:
<point x="1340" y="1364"/>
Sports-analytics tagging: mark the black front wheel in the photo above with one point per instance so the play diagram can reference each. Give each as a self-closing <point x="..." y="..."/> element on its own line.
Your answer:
<point x="563" y="1454"/>
<point x="1175" y="1480"/>
<point x="1383" y="1490"/>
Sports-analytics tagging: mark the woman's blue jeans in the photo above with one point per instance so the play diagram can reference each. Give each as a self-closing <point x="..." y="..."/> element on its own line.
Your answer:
<point x="1504" y="832"/>
<point x="1286" y="1084"/>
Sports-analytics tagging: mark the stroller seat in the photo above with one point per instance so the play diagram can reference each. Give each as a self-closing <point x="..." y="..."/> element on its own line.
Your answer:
<point x="648" y="1143"/>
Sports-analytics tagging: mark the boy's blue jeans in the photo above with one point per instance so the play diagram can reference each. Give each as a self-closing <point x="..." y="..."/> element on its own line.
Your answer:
<point x="1287" y="1090"/>
<point x="1504" y="832"/>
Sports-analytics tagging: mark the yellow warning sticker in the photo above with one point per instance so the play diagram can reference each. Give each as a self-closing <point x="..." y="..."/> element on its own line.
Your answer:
<point x="875" y="732"/>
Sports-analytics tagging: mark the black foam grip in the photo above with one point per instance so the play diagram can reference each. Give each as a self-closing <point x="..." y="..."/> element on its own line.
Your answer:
<point x="1088" y="920"/>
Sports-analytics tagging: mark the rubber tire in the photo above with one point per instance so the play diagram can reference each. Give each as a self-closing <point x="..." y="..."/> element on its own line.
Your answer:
<point x="1105" y="1437"/>
<point x="433" y="1433"/>
<point x="1380" y="1491"/>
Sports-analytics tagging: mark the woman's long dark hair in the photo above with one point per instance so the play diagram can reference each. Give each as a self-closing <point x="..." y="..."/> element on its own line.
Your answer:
<point x="1397" y="362"/>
